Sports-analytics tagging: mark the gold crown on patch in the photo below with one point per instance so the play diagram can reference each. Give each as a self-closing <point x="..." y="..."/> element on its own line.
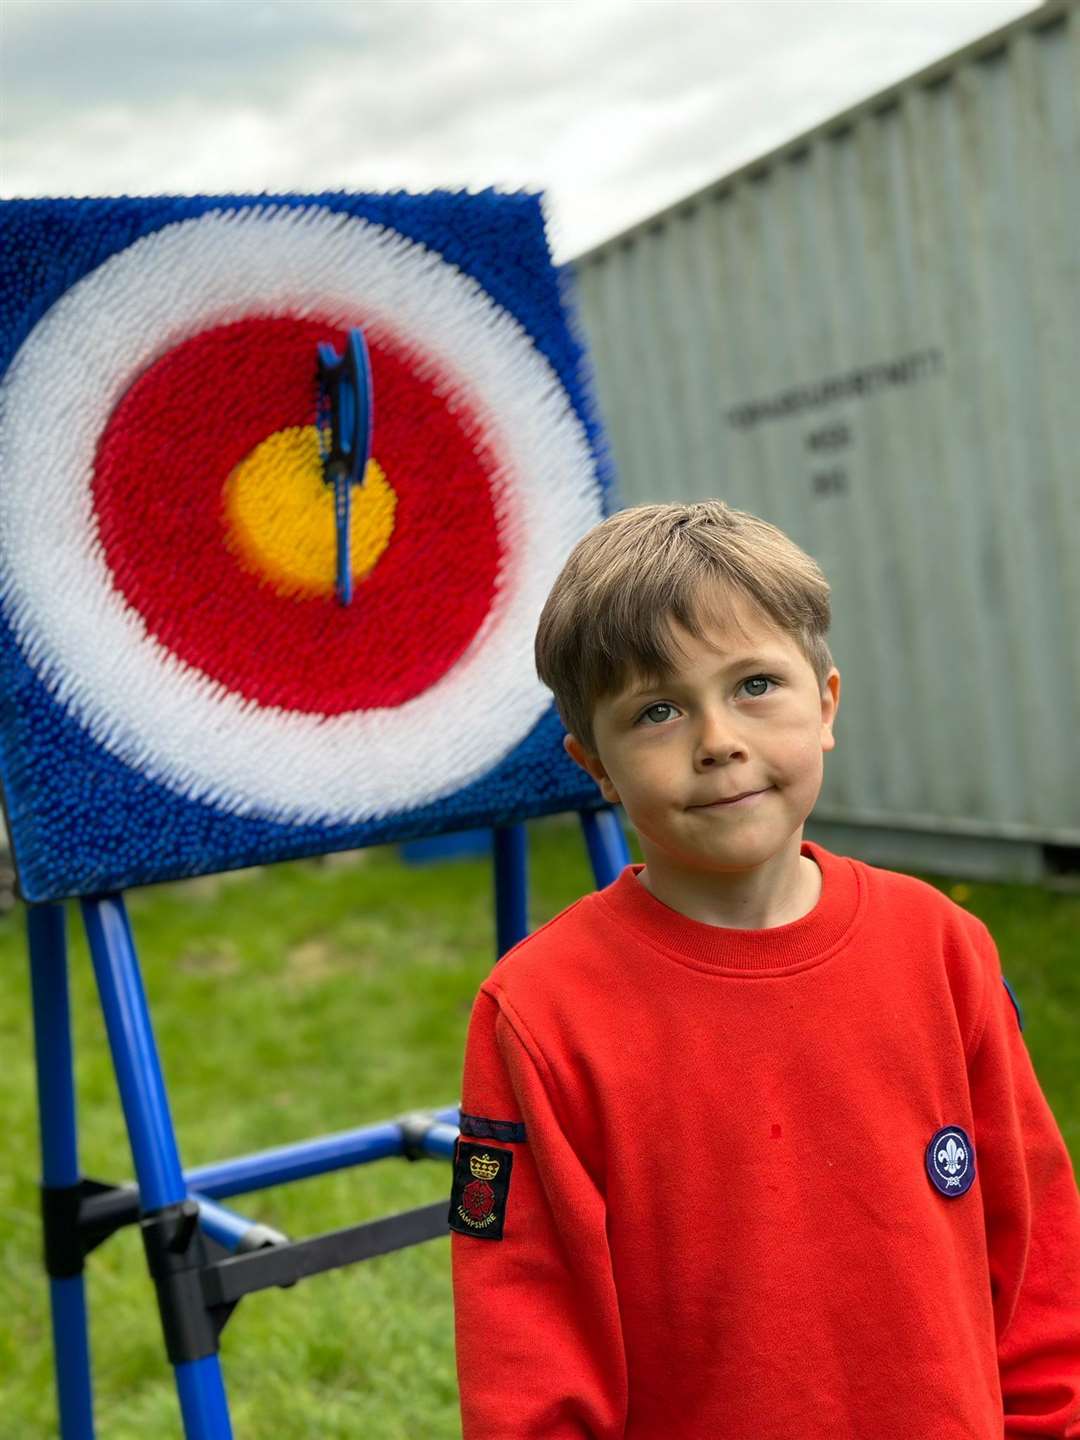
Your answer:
<point x="483" y="1167"/>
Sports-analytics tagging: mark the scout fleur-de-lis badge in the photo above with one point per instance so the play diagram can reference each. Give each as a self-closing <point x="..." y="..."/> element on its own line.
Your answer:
<point x="950" y="1161"/>
<point x="481" y="1185"/>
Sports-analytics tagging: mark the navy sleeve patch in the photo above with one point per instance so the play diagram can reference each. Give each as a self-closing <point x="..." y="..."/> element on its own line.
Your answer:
<point x="485" y="1129"/>
<point x="1015" y="1003"/>
<point x="950" y="1161"/>
<point x="481" y="1186"/>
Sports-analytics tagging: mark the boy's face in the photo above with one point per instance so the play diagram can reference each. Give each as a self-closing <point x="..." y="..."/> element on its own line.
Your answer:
<point x="716" y="728"/>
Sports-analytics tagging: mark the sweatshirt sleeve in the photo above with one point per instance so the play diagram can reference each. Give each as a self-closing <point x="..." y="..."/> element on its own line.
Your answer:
<point x="539" y="1341"/>
<point x="1032" y="1212"/>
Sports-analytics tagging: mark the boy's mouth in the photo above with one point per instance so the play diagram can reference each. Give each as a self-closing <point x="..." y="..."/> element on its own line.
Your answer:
<point x="742" y="797"/>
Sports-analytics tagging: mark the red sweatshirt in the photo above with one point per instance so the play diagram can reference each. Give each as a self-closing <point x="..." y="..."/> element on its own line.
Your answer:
<point x="786" y="1184"/>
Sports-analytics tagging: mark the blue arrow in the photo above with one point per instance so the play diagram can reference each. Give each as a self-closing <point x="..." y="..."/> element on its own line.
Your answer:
<point x="345" y="407"/>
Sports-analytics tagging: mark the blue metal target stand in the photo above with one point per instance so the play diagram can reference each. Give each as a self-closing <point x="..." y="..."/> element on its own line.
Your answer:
<point x="202" y="1256"/>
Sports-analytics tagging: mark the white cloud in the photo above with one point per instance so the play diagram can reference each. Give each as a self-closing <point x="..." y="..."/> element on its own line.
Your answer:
<point x="616" y="108"/>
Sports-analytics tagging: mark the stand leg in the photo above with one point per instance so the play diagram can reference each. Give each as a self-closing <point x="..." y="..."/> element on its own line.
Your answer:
<point x="150" y="1130"/>
<point x="606" y="844"/>
<point x="47" y="937"/>
<point x="511" y="887"/>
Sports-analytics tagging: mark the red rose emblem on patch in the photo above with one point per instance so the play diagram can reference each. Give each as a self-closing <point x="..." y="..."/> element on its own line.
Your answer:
<point x="477" y="1199"/>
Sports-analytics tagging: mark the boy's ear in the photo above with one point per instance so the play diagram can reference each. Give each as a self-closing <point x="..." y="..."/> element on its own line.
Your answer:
<point x="830" y="703"/>
<point x="577" y="752"/>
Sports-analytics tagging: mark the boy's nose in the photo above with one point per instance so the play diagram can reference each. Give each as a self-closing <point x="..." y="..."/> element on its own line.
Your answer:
<point x="717" y="741"/>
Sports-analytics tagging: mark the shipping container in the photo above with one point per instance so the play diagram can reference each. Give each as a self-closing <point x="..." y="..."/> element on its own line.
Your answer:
<point x="871" y="338"/>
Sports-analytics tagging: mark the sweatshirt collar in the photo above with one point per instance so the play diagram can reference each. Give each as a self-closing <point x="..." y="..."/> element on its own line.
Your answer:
<point x="801" y="943"/>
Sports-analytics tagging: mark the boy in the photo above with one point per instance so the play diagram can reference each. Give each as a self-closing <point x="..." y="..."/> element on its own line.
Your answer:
<point x="751" y="1146"/>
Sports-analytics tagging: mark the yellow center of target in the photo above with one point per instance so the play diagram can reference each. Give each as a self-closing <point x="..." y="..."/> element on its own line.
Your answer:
<point x="281" y="520"/>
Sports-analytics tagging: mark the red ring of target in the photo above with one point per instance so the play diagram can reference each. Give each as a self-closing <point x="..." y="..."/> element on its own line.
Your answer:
<point x="158" y="496"/>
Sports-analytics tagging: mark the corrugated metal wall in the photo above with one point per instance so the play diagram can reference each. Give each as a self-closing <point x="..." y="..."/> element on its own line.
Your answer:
<point x="871" y="338"/>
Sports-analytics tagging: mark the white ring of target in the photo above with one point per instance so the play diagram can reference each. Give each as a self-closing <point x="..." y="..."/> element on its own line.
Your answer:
<point x="93" y="651"/>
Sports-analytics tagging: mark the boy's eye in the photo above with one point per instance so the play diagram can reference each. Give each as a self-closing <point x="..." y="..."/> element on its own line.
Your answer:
<point x="650" y="716"/>
<point x="753" y="680"/>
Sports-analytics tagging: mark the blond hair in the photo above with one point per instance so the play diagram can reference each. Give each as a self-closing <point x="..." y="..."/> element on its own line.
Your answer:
<point x="608" y="616"/>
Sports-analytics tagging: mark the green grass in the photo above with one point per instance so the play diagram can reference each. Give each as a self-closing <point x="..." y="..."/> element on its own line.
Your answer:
<point x="309" y="998"/>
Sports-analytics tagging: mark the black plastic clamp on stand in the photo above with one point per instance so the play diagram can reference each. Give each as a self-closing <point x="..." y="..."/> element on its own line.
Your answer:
<point x="75" y="1219"/>
<point x="177" y="1253"/>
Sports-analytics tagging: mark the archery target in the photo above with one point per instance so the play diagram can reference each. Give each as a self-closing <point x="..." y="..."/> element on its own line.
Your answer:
<point x="167" y="544"/>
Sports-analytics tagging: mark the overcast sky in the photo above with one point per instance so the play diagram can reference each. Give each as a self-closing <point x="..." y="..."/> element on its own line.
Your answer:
<point x="614" y="107"/>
